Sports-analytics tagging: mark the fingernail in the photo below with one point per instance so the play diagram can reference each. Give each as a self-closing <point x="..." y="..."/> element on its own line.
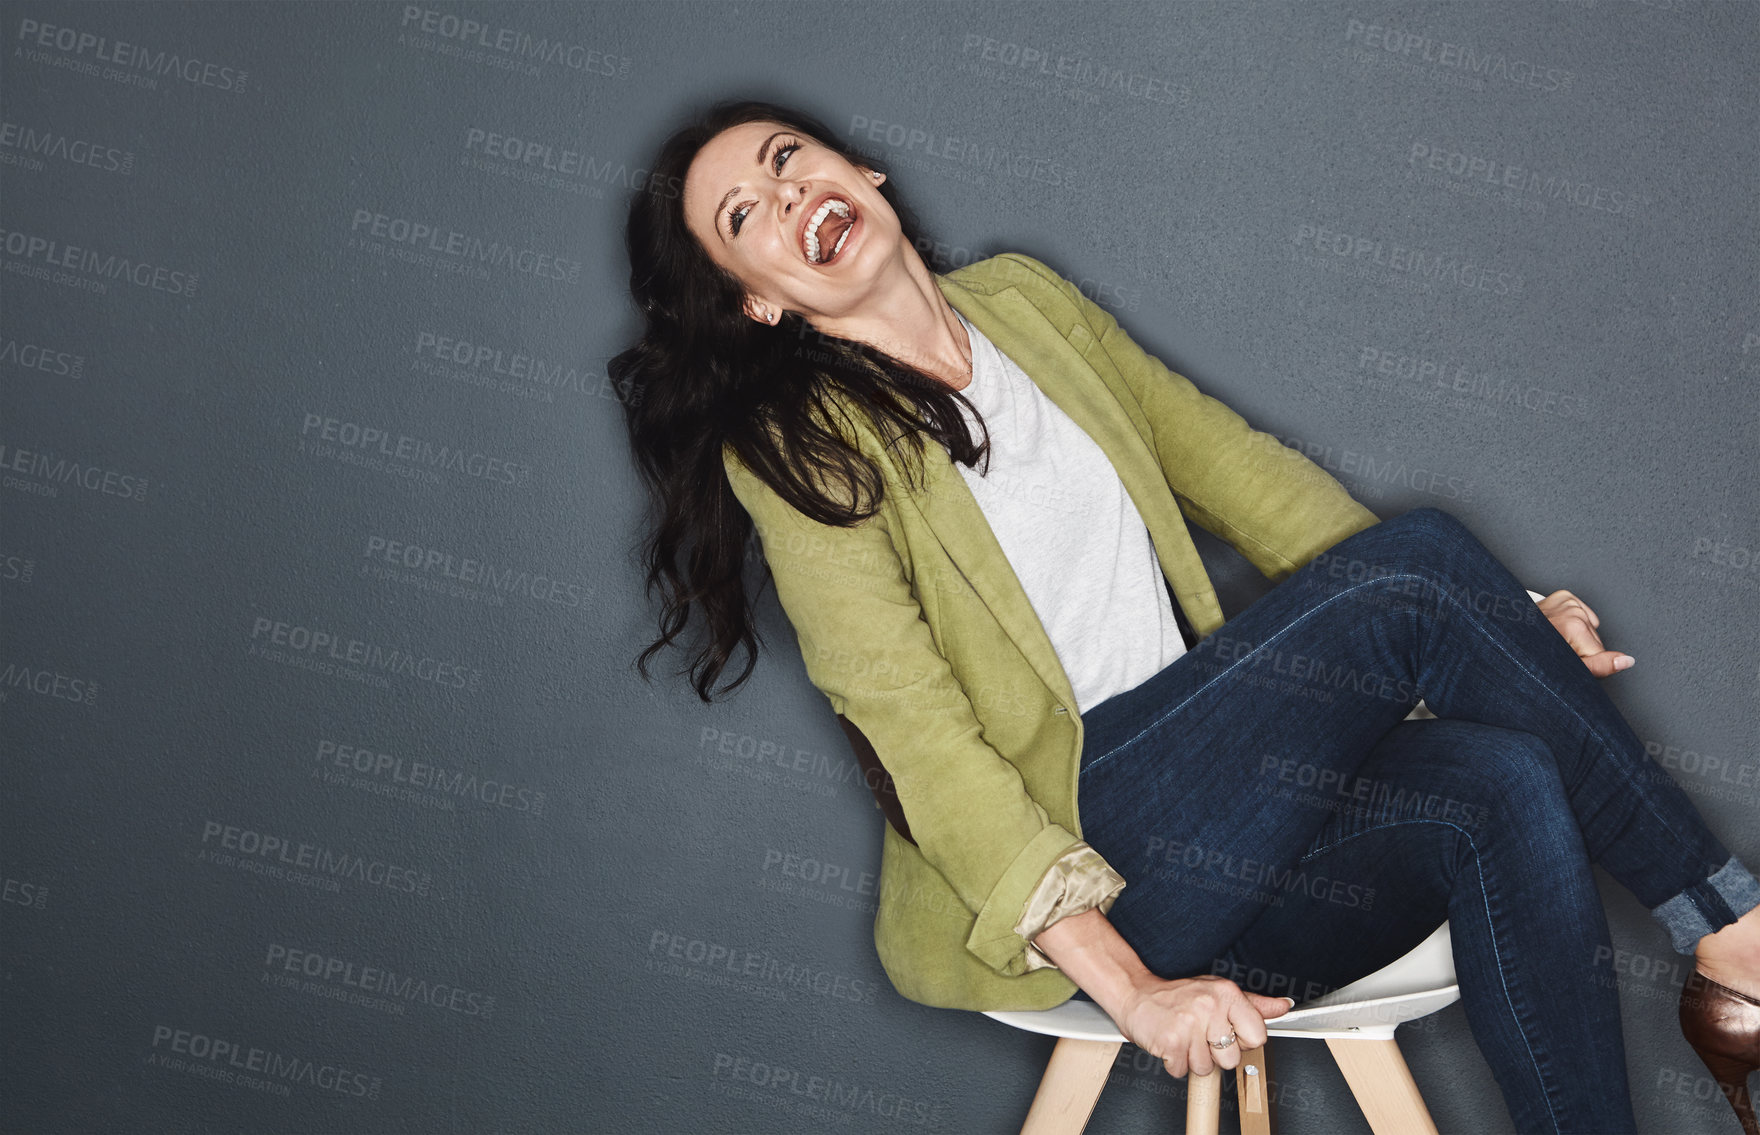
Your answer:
<point x="1623" y="662"/>
<point x="1292" y="1002"/>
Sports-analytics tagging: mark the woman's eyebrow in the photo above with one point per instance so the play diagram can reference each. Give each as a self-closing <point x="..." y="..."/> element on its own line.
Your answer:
<point x="728" y="196"/>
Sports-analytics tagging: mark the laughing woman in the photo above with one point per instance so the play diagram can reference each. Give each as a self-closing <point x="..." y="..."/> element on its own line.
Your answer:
<point x="1015" y="618"/>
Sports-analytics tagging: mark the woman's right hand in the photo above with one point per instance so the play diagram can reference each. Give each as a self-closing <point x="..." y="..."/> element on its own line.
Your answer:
<point x="1177" y="1019"/>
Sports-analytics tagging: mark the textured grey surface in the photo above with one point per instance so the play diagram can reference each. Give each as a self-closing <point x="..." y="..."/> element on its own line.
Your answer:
<point x="1590" y="349"/>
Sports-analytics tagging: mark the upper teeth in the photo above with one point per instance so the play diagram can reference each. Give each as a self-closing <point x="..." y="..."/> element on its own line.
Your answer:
<point x="832" y="205"/>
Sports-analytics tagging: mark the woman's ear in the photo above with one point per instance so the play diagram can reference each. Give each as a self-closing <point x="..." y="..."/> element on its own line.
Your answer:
<point x="761" y="312"/>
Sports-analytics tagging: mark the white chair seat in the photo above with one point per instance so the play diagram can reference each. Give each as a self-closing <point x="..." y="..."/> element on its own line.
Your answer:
<point x="1416" y="985"/>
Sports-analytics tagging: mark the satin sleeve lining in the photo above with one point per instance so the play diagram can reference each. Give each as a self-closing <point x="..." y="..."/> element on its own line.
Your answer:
<point x="1079" y="880"/>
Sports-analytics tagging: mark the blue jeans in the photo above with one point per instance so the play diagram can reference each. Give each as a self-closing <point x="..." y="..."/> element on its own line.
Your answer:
<point x="1279" y="823"/>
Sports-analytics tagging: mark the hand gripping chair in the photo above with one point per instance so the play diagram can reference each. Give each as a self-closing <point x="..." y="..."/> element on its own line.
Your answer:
<point x="1356" y="1022"/>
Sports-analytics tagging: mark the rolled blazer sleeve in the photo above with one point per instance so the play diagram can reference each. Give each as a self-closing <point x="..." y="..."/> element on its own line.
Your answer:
<point x="1080" y="880"/>
<point x="867" y="647"/>
<point x="1270" y="502"/>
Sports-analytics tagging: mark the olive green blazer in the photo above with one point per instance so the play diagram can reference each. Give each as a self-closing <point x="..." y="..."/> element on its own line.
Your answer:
<point x="916" y="629"/>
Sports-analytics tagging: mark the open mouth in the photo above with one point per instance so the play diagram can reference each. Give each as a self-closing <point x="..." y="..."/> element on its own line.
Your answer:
<point x="827" y="230"/>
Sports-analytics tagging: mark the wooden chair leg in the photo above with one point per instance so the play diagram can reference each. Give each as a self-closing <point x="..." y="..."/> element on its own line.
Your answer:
<point x="1252" y="1082"/>
<point x="1070" y="1087"/>
<point x="1383" y="1085"/>
<point x="1203" y="1103"/>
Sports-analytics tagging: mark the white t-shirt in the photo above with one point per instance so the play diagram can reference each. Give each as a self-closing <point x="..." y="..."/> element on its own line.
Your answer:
<point x="1071" y="533"/>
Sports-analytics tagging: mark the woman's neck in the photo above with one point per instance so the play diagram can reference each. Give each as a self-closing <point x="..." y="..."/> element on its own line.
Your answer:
<point x="906" y="316"/>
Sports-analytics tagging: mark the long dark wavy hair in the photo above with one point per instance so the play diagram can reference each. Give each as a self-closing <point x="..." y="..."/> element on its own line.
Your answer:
<point x="705" y="375"/>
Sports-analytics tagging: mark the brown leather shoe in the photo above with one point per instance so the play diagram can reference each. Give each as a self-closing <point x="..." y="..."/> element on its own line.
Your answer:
<point x="1723" y="1026"/>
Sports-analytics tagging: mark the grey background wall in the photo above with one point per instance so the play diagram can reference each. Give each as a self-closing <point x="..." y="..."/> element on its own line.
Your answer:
<point x="332" y="802"/>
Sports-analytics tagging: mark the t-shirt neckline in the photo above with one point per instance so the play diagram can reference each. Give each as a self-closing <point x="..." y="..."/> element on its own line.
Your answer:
<point x="980" y="345"/>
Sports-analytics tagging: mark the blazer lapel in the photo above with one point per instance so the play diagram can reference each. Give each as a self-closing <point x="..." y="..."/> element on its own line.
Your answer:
<point x="952" y="512"/>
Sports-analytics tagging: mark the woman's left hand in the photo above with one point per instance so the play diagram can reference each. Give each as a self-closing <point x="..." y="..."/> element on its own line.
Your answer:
<point x="1577" y="622"/>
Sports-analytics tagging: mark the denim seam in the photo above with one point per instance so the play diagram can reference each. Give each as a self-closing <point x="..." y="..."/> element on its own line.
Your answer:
<point x="1468" y="614"/>
<point x="1484" y="899"/>
<point x="1225" y="673"/>
<point x="1471" y="620"/>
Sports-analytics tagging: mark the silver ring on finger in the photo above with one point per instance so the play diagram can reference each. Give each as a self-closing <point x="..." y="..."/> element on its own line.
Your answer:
<point x="1224" y="1042"/>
